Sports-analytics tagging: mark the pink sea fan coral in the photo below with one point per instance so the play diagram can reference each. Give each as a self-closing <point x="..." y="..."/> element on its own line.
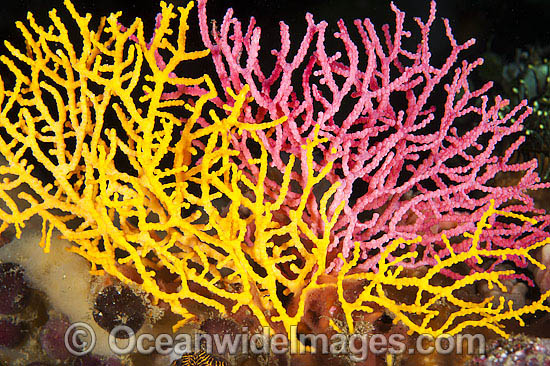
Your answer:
<point x="407" y="165"/>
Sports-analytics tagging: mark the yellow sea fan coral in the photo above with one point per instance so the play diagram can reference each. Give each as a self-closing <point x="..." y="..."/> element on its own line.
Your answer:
<point x="125" y="182"/>
<point x="418" y="316"/>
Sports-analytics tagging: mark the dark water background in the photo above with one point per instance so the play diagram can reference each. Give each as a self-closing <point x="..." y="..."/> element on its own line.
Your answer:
<point x="503" y="24"/>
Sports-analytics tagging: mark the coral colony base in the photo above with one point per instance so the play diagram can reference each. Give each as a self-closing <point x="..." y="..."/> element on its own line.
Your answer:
<point x="317" y="196"/>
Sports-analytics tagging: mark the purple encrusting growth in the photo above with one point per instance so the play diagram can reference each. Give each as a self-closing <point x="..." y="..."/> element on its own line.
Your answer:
<point x="518" y="350"/>
<point x="92" y="360"/>
<point x="14" y="288"/>
<point x="11" y="333"/>
<point x="118" y="305"/>
<point x="52" y="338"/>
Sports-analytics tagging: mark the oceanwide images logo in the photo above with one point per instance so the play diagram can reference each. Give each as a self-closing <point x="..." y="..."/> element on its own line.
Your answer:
<point x="80" y="339"/>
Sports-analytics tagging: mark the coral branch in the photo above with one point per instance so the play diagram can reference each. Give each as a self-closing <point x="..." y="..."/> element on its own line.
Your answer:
<point x="406" y="164"/>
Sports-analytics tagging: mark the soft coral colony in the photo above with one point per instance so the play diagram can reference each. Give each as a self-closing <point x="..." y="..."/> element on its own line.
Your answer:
<point x="247" y="191"/>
